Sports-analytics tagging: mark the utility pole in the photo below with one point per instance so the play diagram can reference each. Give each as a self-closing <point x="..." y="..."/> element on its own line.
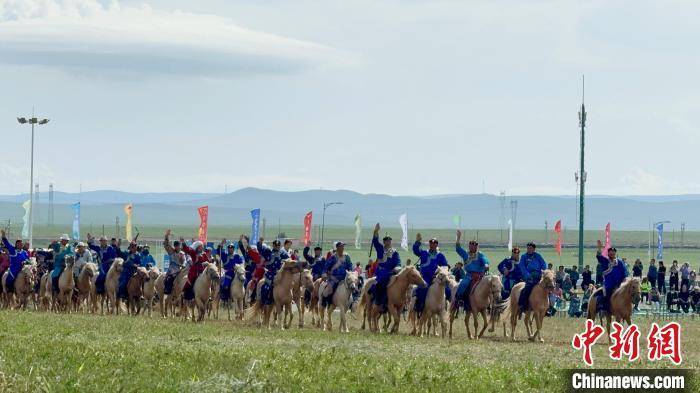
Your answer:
<point x="682" y="234"/>
<point x="546" y="232"/>
<point x="582" y="192"/>
<point x="116" y="222"/>
<point x="513" y="212"/>
<point x="502" y="221"/>
<point x="51" y="205"/>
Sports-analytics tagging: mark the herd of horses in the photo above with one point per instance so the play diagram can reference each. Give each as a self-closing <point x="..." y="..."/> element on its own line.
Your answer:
<point x="294" y="286"/>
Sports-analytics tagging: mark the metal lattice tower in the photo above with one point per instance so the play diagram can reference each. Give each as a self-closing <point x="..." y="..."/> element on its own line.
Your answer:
<point x="50" y="218"/>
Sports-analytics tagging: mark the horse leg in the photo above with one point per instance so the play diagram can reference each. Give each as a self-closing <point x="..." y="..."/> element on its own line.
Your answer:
<point x="453" y="313"/>
<point x="396" y="316"/>
<point x="483" y="329"/>
<point x="343" y="321"/>
<point x="467" y="315"/>
<point x="539" y="317"/>
<point x="329" y="322"/>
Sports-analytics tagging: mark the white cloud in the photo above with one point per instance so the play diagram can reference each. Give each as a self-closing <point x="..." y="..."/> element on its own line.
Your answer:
<point x="85" y="35"/>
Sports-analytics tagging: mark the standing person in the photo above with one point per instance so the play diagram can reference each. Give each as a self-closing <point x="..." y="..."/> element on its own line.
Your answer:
<point x="645" y="287"/>
<point x="198" y="256"/>
<point x="586" y="277"/>
<point x="475" y="264"/>
<point x="288" y="248"/>
<point x="510" y="272"/>
<point x="637" y="269"/>
<point x="61" y="250"/>
<point x="531" y="266"/>
<point x="317" y="262"/>
<point x="178" y="260"/>
<point x="661" y="278"/>
<point x="614" y="274"/>
<point x="573" y="275"/>
<point x="105" y="256"/>
<point x="653" y="273"/>
<point x="560" y="276"/>
<point x="428" y="263"/>
<point x="685" y="274"/>
<point x="458" y="271"/>
<point x="673" y="277"/>
<point x="388" y="260"/>
<point x="16" y="255"/>
<point x="337" y="267"/>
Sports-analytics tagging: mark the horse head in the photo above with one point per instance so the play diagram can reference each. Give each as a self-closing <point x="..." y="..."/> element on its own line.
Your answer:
<point x="118" y="265"/>
<point x="142" y="273"/>
<point x="413" y="276"/>
<point x="442" y="275"/>
<point x="212" y="271"/>
<point x="351" y="281"/>
<point x="91" y="270"/>
<point x="306" y="279"/>
<point x="635" y="290"/>
<point x="153" y="273"/>
<point x="69" y="261"/>
<point x="494" y="281"/>
<point x="239" y="271"/>
<point x="547" y="280"/>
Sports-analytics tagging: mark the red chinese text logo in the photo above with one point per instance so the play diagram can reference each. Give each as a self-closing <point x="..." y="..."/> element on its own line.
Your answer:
<point x="587" y="339"/>
<point x="665" y="342"/>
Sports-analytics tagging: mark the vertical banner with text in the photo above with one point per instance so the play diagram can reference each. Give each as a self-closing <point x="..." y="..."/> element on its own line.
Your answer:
<point x="403" y="220"/>
<point x="129" y="210"/>
<point x="76" y="220"/>
<point x="358" y="229"/>
<point x="203" y="223"/>
<point x="557" y="230"/>
<point x="255" y="227"/>
<point x="307" y="227"/>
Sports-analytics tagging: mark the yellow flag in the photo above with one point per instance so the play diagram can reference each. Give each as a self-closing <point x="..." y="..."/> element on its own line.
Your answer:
<point x="128" y="209"/>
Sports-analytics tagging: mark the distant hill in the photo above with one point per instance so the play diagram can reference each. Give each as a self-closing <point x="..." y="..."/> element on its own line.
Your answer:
<point x="477" y="211"/>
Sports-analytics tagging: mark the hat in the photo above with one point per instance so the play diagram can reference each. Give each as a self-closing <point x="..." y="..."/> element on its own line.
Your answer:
<point x="102" y="238"/>
<point x="231" y="245"/>
<point x="318" y="248"/>
<point x="473" y="242"/>
<point x="516" y="250"/>
<point x="65" y="237"/>
<point x="532" y="244"/>
<point x="339" y="244"/>
<point x="433" y="240"/>
<point x="387" y="238"/>
<point x="81" y="244"/>
<point x="196" y="244"/>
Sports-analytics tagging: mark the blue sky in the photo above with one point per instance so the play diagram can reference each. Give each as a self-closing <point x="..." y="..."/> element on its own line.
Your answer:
<point x="412" y="97"/>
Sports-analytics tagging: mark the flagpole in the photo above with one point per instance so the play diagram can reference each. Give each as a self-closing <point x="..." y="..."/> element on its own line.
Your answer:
<point x="582" y="193"/>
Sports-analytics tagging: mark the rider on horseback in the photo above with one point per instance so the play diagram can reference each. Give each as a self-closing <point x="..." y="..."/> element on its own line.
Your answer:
<point x="61" y="251"/>
<point x="272" y="261"/>
<point x="428" y="263"/>
<point x="178" y="260"/>
<point x="106" y="255"/>
<point x="17" y="257"/>
<point x="614" y="274"/>
<point x="337" y="267"/>
<point x="476" y="264"/>
<point x="82" y="256"/>
<point x="133" y="261"/>
<point x="229" y="259"/>
<point x="199" y="257"/>
<point x="531" y="267"/>
<point x="387" y="261"/>
<point x="317" y="262"/>
<point x="510" y="272"/>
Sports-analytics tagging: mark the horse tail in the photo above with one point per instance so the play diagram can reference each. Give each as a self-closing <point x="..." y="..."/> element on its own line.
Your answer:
<point x="592" y="305"/>
<point x="364" y="297"/>
<point x="252" y="312"/>
<point x="500" y="311"/>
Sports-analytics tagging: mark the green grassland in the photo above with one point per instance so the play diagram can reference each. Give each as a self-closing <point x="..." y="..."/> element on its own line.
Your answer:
<point x="49" y="352"/>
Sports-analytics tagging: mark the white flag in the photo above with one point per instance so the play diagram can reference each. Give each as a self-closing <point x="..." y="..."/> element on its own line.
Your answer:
<point x="358" y="228"/>
<point x="27" y="205"/>
<point x="403" y="220"/>
<point x="510" y="235"/>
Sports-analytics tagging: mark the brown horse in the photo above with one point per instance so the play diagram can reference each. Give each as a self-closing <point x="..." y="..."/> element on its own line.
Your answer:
<point x="282" y="295"/>
<point x="134" y="290"/>
<point x="85" y="286"/>
<point x="539" y="303"/>
<point x="486" y="292"/>
<point x="110" y="301"/>
<point x="24" y="286"/>
<point x="306" y="284"/>
<point x="149" y="289"/>
<point x="622" y="302"/>
<point x="396" y="294"/>
<point x="203" y="289"/>
<point x="66" y="285"/>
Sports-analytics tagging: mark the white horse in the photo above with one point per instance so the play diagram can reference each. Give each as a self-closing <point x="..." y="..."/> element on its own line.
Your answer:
<point x="341" y="299"/>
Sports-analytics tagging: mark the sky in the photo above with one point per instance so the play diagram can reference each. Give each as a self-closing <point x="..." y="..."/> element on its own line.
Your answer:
<point x="376" y="96"/>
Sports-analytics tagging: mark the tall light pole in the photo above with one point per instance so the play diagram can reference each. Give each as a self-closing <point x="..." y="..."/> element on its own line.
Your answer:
<point x="33" y="120"/>
<point x="326" y="205"/>
<point x="582" y="192"/>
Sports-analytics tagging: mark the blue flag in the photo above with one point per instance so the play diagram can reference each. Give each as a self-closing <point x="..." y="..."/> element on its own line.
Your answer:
<point x="76" y="221"/>
<point x="660" y="252"/>
<point x="255" y="231"/>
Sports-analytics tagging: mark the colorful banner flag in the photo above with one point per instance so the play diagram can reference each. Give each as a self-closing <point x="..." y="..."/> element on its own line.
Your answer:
<point x="203" y="223"/>
<point x="403" y="220"/>
<point x="128" y="210"/>
<point x="358" y="229"/>
<point x="557" y="230"/>
<point x="510" y="235"/>
<point x="27" y="205"/>
<point x="76" y="221"/>
<point x="307" y="227"/>
<point x="457" y="220"/>
<point x="255" y="230"/>
<point x="660" y="250"/>
<point x="608" y="242"/>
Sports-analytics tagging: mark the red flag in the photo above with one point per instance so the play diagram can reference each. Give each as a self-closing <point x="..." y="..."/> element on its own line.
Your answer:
<point x="557" y="229"/>
<point x="307" y="227"/>
<point x="203" y="219"/>
<point x="607" y="240"/>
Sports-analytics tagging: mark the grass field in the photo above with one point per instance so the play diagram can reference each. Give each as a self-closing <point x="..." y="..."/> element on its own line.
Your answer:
<point x="48" y="352"/>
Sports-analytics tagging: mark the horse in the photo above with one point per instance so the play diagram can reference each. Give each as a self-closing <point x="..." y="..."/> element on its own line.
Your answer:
<point x="66" y="284"/>
<point x="171" y="301"/>
<point x="24" y="286"/>
<point x="214" y="299"/>
<point x="306" y="283"/>
<point x="434" y="303"/>
<point x="109" y="297"/>
<point x="202" y="290"/>
<point x="484" y="294"/>
<point x="341" y="299"/>
<point x="282" y="295"/>
<point x="622" y="302"/>
<point x="539" y="303"/>
<point x="85" y="288"/>
<point x="236" y="297"/>
<point x="396" y="295"/>
<point x="134" y="290"/>
<point x="44" y="295"/>
<point x="149" y="289"/>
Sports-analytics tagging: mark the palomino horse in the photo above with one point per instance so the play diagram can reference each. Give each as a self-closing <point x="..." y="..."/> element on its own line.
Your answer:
<point x="66" y="284"/>
<point x="85" y="286"/>
<point x="214" y="297"/>
<point x="539" y="303"/>
<point x="236" y="297"/>
<point x="341" y="299"/>
<point x="202" y="290"/>
<point x="149" y="289"/>
<point x="24" y="286"/>
<point x="134" y="290"/>
<point x="306" y="283"/>
<point x="396" y="295"/>
<point x="282" y="295"/>
<point x="622" y="302"/>
<point x="487" y="292"/>
<point x="44" y="295"/>
<point x="434" y="303"/>
<point x="109" y="297"/>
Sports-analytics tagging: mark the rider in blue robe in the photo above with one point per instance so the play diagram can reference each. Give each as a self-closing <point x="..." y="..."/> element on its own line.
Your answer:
<point x="531" y="266"/>
<point x="475" y="263"/>
<point x="272" y="258"/>
<point x="17" y="258"/>
<point x="337" y="267"/>
<point x="317" y="262"/>
<point x="614" y="274"/>
<point x="106" y="255"/>
<point x="132" y="262"/>
<point x="61" y="251"/>
<point x="229" y="260"/>
<point x="147" y="259"/>
<point x="428" y="263"/>
<point x="510" y="272"/>
<point x="387" y="261"/>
